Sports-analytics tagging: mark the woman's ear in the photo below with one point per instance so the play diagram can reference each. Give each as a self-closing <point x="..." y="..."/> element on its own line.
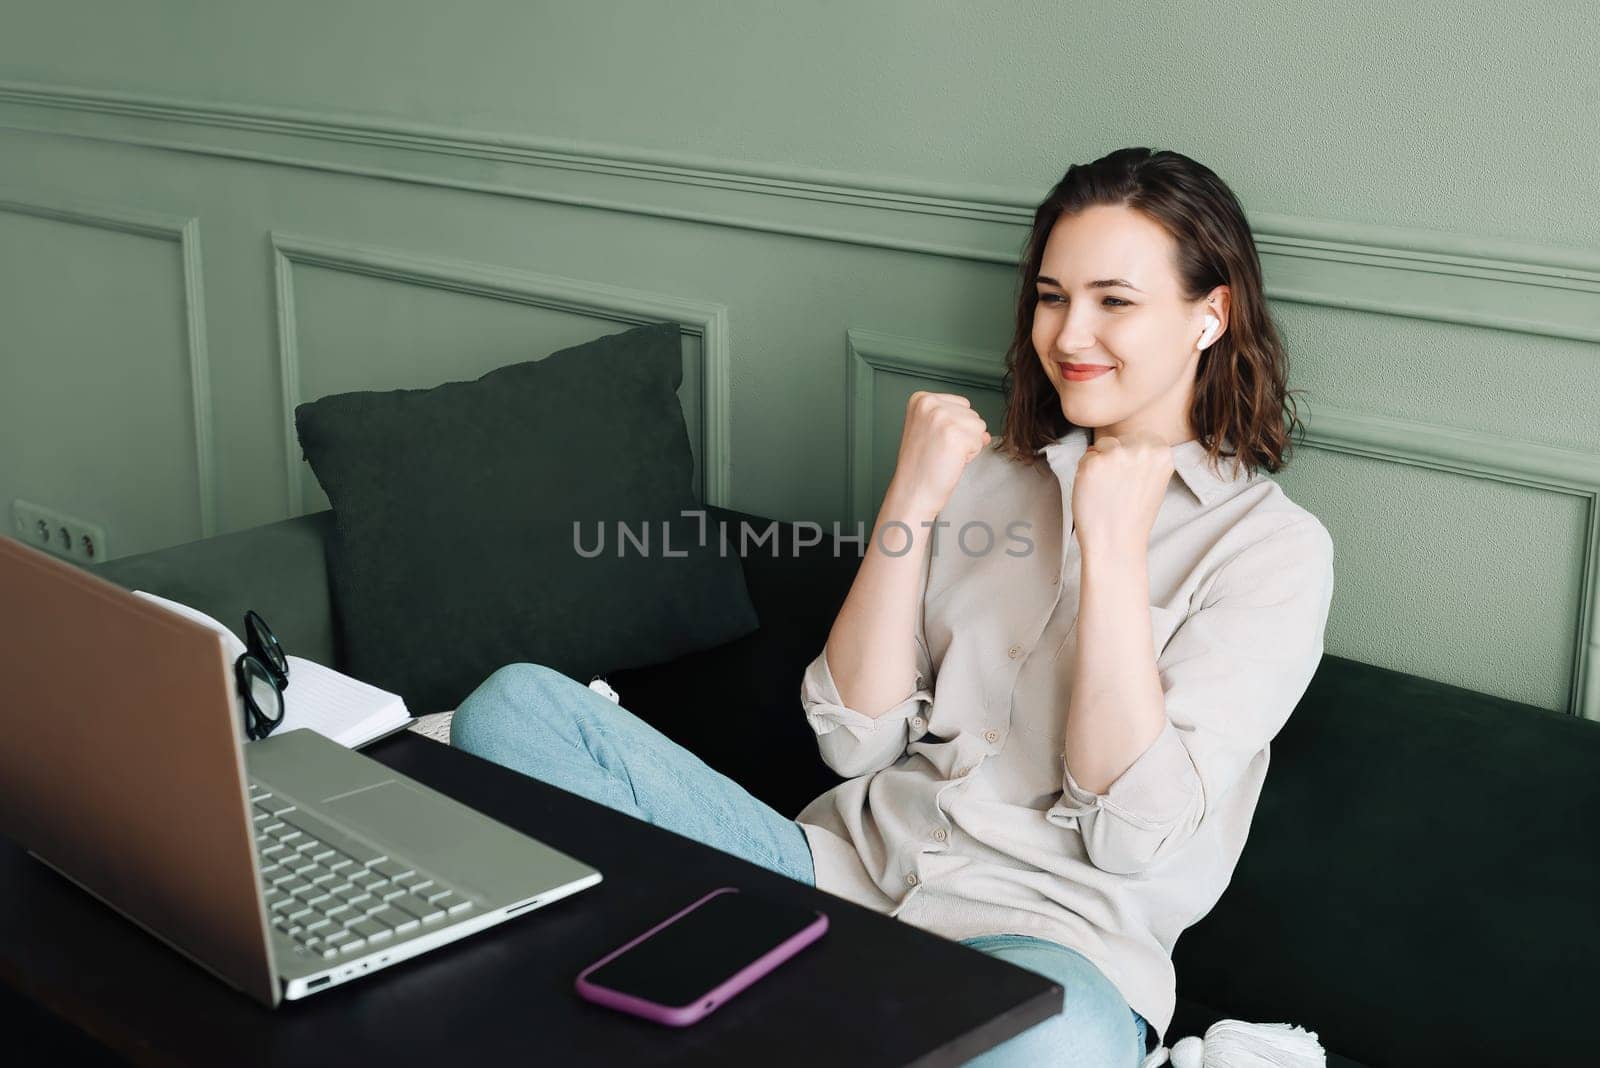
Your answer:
<point x="1220" y="303"/>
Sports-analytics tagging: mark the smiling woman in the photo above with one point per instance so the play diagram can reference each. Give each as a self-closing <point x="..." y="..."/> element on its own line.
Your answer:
<point x="1057" y="754"/>
<point x="1050" y="750"/>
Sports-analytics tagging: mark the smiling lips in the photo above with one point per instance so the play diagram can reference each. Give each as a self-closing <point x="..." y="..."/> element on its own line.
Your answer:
<point x="1082" y="372"/>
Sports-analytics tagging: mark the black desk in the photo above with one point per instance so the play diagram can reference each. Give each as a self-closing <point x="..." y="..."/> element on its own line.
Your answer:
<point x="871" y="991"/>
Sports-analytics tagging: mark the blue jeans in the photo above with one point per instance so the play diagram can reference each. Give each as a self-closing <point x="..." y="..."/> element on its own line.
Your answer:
<point x="542" y="723"/>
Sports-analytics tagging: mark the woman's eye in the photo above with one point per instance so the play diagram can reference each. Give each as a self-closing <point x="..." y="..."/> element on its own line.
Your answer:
<point x="1052" y="298"/>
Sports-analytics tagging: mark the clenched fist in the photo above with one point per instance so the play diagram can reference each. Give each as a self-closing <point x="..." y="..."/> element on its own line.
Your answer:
<point x="1118" y="490"/>
<point x="942" y="434"/>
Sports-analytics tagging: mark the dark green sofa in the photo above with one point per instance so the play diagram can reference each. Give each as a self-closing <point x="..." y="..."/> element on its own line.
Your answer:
<point x="1418" y="887"/>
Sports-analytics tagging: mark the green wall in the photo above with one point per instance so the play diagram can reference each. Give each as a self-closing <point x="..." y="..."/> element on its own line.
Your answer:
<point x="209" y="211"/>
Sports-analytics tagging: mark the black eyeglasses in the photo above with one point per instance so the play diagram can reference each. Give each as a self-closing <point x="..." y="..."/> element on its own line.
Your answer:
<point x="262" y="673"/>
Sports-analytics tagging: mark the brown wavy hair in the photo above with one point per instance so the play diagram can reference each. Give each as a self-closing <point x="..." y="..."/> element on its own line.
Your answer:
<point x="1240" y="395"/>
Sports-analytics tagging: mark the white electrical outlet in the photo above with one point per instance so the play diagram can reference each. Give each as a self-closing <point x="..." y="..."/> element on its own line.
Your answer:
<point x="56" y="532"/>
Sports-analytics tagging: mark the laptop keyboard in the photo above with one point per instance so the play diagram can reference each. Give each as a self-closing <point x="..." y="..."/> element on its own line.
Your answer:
<point x="334" y="896"/>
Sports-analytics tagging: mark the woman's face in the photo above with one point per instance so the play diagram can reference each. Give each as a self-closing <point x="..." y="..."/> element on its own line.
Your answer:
<point x="1140" y="327"/>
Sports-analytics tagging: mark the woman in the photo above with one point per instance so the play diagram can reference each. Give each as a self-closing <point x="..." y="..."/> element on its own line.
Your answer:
<point x="1053" y="683"/>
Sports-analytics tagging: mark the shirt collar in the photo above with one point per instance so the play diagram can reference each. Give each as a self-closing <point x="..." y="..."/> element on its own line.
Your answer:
<point x="1189" y="462"/>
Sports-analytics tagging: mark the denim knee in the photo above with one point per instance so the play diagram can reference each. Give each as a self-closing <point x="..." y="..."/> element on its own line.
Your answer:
<point x="515" y="682"/>
<point x="511" y="694"/>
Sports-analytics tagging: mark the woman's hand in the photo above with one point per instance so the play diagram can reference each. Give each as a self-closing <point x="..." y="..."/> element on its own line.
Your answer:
<point x="1118" y="490"/>
<point x="942" y="434"/>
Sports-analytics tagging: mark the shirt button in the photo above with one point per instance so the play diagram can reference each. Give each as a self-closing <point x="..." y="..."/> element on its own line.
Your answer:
<point x="962" y="772"/>
<point x="911" y="878"/>
<point x="991" y="735"/>
<point x="1013" y="651"/>
<point x="916" y="721"/>
<point x="939" y="834"/>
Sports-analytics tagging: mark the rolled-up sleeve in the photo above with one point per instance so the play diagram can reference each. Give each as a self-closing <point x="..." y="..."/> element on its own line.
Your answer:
<point x="1231" y="674"/>
<point x="851" y="742"/>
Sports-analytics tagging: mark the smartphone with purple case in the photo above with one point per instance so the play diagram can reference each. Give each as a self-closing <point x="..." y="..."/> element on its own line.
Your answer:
<point x="695" y="960"/>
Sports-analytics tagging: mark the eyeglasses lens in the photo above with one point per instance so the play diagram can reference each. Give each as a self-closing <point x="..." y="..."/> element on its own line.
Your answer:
<point x="264" y="644"/>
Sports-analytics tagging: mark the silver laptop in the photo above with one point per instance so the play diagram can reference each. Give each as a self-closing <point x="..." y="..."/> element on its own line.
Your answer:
<point x="285" y="866"/>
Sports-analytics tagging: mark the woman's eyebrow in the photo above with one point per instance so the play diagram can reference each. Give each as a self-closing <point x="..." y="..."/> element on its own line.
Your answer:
<point x="1100" y="283"/>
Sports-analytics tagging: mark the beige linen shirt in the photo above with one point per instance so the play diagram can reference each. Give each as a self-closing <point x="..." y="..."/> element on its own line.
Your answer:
<point x="959" y="815"/>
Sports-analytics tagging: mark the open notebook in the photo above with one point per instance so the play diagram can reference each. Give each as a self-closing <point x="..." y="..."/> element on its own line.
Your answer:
<point x="335" y="705"/>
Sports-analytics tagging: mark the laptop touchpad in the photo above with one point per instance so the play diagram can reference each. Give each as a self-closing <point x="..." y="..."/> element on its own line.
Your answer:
<point x="427" y="829"/>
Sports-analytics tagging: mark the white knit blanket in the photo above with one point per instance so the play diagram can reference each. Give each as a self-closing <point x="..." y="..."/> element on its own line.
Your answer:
<point x="436" y="725"/>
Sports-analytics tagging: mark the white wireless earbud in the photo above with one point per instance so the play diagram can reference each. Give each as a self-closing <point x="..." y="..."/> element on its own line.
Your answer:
<point x="1212" y="325"/>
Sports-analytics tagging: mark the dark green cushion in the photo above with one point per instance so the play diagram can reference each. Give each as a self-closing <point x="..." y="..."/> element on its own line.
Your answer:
<point x="1420" y="881"/>
<point x="454" y="549"/>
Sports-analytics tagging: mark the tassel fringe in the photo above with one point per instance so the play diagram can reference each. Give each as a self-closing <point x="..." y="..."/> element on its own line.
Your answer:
<point x="1237" y="1044"/>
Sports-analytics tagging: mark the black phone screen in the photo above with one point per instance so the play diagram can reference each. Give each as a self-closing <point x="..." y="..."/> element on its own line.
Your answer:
<point x="698" y="951"/>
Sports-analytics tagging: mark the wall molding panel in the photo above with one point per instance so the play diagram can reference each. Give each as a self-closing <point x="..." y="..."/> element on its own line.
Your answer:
<point x="186" y="233"/>
<point x="1445" y="277"/>
<point x="1490" y="456"/>
<point x="630" y="307"/>
<point x="1518" y="287"/>
<point x="1429" y="445"/>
